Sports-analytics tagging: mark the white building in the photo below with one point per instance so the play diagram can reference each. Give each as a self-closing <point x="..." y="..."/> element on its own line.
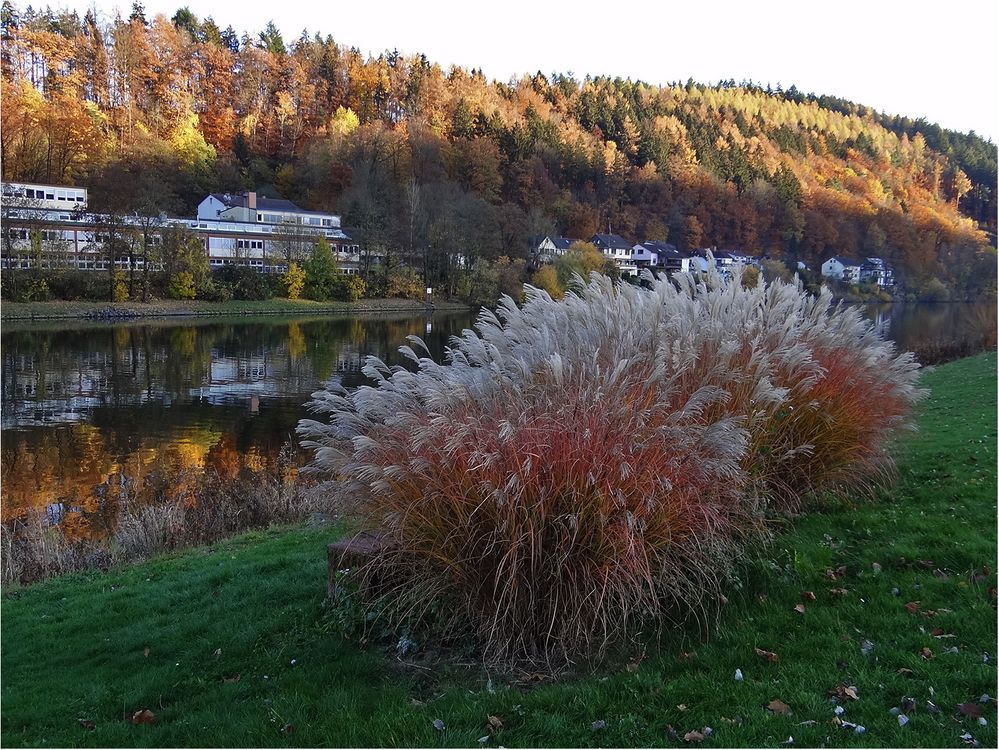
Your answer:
<point x="842" y="269"/>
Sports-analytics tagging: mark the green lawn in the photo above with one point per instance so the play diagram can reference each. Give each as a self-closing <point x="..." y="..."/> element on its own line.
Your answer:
<point x="242" y="653"/>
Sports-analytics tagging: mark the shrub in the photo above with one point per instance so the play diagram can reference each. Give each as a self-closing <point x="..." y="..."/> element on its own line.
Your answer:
<point x="119" y="287"/>
<point x="182" y="286"/>
<point x="294" y="281"/>
<point x="405" y="283"/>
<point x="582" y="466"/>
<point x="243" y="282"/>
<point x="346" y="288"/>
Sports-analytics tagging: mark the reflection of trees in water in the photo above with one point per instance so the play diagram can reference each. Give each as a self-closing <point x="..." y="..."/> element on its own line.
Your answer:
<point x="917" y="325"/>
<point x="106" y="414"/>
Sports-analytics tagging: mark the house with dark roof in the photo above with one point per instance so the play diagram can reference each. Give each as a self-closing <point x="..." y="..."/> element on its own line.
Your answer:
<point x="616" y="248"/>
<point x="546" y="249"/>
<point x="877" y="271"/>
<point x="842" y="269"/>
<point x="254" y="209"/>
<point x="658" y="254"/>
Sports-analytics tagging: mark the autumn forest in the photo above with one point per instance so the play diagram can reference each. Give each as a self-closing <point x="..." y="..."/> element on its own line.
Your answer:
<point x="154" y="113"/>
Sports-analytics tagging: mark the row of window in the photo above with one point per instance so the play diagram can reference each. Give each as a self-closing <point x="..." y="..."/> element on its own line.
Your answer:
<point x="48" y="194"/>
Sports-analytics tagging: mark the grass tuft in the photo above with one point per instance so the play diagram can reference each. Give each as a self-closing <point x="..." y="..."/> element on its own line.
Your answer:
<point x="583" y="466"/>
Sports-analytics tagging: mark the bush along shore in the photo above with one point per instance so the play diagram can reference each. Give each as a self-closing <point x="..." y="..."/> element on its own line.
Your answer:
<point x="572" y="477"/>
<point x="866" y="623"/>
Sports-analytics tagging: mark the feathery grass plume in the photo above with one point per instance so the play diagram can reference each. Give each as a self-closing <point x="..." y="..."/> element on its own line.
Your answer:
<point x="582" y="464"/>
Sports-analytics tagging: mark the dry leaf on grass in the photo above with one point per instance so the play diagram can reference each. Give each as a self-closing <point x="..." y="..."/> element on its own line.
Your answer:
<point x="777" y="706"/>
<point x="808" y="596"/>
<point x="844" y="692"/>
<point x="493" y="724"/>
<point x="926" y="653"/>
<point x="86" y="723"/>
<point x="799" y="608"/>
<point x="145" y="716"/>
<point x="767" y="655"/>
<point x="693" y="736"/>
<point x="970" y="709"/>
<point x="912" y="607"/>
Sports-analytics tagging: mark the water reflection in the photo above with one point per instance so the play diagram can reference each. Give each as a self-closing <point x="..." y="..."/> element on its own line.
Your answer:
<point x="85" y="411"/>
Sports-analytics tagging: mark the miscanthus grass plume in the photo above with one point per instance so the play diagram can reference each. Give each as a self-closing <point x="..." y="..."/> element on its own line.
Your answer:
<point x="581" y="466"/>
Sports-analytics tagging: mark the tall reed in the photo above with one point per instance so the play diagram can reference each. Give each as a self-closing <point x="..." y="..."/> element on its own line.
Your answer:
<point x="581" y="465"/>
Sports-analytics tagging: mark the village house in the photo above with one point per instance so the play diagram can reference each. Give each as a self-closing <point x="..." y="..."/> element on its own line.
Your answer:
<point x="617" y="249"/>
<point x="842" y="269"/>
<point x="547" y="249"/>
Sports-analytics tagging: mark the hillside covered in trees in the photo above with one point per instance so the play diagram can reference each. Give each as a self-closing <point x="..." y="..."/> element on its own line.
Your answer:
<point x="153" y="113"/>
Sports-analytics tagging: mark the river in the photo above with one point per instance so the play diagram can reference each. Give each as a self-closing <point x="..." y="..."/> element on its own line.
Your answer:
<point x="84" y="402"/>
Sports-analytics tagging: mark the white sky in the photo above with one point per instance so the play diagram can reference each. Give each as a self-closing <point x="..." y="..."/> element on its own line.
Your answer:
<point x="936" y="60"/>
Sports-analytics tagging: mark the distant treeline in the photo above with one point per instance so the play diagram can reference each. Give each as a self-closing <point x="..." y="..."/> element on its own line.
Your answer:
<point x="153" y="113"/>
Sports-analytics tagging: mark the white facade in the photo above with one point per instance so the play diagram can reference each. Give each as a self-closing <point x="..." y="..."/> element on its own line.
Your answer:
<point x="841" y="269"/>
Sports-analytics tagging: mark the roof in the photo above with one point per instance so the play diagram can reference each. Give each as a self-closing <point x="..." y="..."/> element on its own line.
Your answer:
<point x="562" y="243"/>
<point x="845" y="261"/>
<point x="610" y="240"/>
<point x="231" y="200"/>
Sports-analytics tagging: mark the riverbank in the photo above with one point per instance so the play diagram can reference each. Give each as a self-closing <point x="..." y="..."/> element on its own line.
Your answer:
<point x="231" y="645"/>
<point x="197" y="308"/>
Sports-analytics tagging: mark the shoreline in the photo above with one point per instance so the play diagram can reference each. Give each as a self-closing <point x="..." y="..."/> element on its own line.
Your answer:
<point x="125" y="311"/>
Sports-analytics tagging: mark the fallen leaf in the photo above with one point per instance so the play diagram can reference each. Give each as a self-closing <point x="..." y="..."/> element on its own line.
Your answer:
<point x="778" y="706"/>
<point x="217" y="653"/>
<point x="912" y="607"/>
<point x="903" y="720"/>
<point x="866" y="647"/>
<point x="682" y="707"/>
<point x="693" y="736"/>
<point x="907" y="706"/>
<point x="807" y="723"/>
<point x="598" y="724"/>
<point x="905" y="671"/>
<point x="762" y="598"/>
<point x="970" y="709"/>
<point x="768" y="655"/>
<point x="145" y="716"/>
<point x="844" y="692"/>
<point x="937" y="632"/>
<point x="737" y="720"/>
<point x="926" y="653"/>
<point x="438" y="725"/>
<point x="686" y="656"/>
<point x="799" y="608"/>
<point x="416" y="702"/>
<point x="808" y="596"/>
<point x="493" y="724"/>
<point x="932" y="707"/>
<point x="233" y="678"/>
<point x="671" y="732"/>
<point x="738" y="675"/>
<point x="925" y="563"/>
<point x="838" y="592"/>
<point x="145" y="652"/>
<point x="86" y="723"/>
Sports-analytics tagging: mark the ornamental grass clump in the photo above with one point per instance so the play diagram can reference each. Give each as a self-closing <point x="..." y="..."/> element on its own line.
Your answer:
<point x="582" y="466"/>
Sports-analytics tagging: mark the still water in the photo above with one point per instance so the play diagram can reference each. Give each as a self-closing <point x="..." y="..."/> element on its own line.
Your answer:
<point x="83" y="403"/>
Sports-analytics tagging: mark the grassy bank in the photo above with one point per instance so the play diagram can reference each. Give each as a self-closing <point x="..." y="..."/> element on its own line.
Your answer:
<point x="163" y="308"/>
<point x="231" y="645"/>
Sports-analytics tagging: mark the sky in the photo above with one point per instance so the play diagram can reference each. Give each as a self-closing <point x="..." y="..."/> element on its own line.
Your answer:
<point x="935" y="60"/>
